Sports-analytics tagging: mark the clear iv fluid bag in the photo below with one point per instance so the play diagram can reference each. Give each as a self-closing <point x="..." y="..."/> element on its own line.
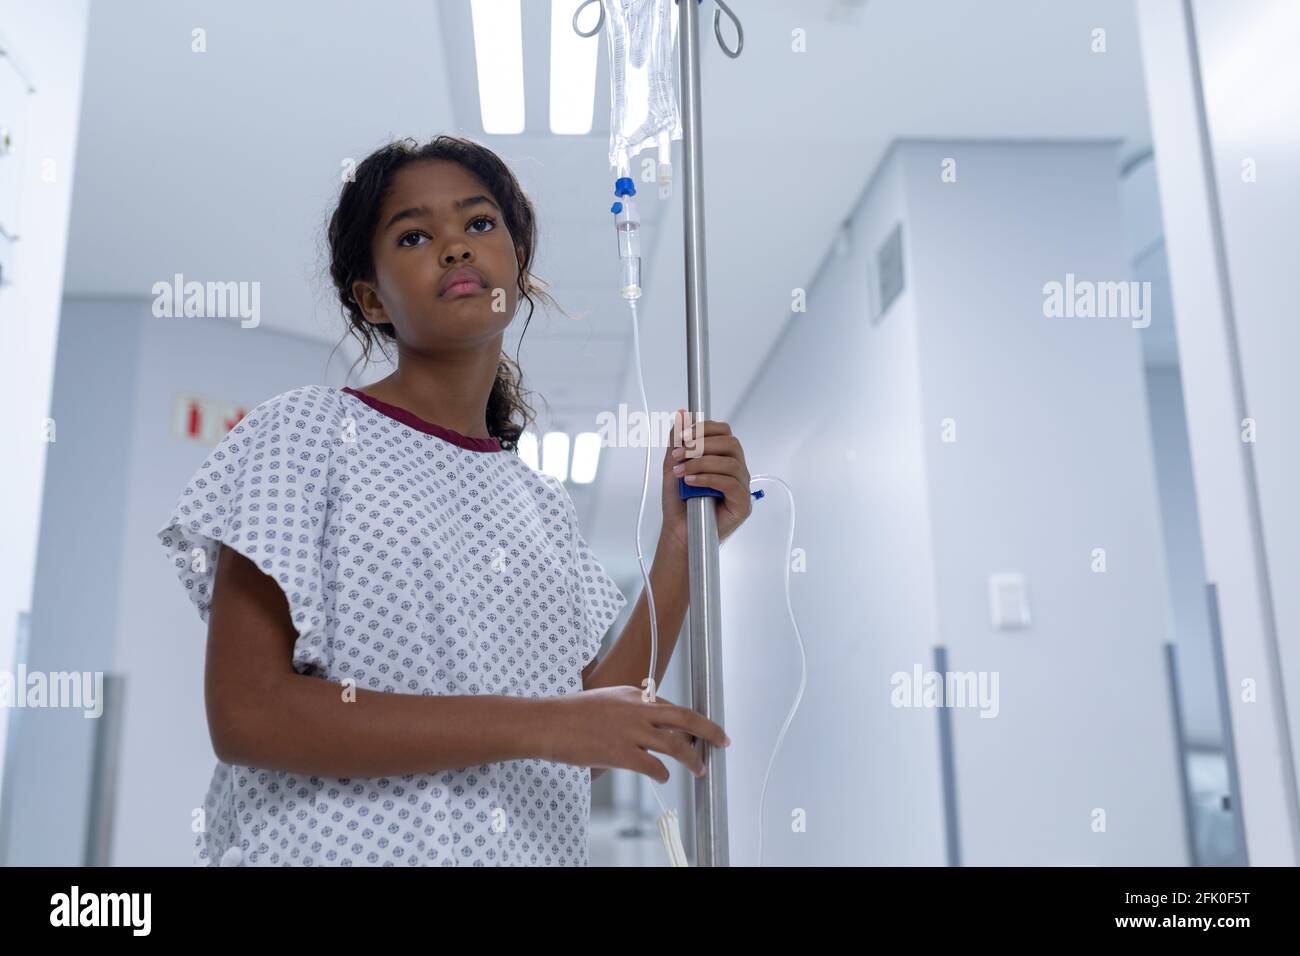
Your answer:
<point x="643" y="88"/>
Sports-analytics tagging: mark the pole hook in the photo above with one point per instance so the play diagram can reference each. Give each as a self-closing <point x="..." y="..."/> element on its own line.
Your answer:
<point x="717" y="25"/>
<point x="717" y="30"/>
<point x="599" y="22"/>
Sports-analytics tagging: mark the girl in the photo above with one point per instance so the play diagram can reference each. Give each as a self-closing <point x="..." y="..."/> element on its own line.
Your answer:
<point x="389" y="540"/>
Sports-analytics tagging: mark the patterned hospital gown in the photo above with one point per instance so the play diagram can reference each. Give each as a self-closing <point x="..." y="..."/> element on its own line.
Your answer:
<point x="415" y="560"/>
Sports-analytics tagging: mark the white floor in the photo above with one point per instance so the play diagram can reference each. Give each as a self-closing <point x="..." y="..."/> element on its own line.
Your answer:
<point x="614" y="840"/>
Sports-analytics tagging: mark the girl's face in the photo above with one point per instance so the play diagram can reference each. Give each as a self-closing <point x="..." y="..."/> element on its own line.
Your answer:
<point x="438" y="218"/>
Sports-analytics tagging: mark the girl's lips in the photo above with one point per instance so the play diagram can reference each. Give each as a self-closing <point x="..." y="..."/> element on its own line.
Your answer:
<point x="468" y="287"/>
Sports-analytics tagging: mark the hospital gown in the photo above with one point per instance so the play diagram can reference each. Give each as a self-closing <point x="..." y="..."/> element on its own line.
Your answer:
<point x="415" y="560"/>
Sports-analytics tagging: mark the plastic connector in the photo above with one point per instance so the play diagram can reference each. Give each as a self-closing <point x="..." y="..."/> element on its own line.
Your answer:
<point x="687" y="491"/>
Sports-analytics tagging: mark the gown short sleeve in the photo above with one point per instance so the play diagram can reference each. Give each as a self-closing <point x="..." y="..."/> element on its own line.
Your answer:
<point x="600" y="597"/>
<point x="263" y="491"/>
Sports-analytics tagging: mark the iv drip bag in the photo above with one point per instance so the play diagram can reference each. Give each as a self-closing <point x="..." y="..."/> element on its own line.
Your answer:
<point x="643" y="89"/>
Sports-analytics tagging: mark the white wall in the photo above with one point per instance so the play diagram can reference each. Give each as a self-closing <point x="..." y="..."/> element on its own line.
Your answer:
<point x="1189" y="611"/>
<point x="836" y="413"/>
<point x="106" y="597"/>
<point x="1198" y="680"/>
<point x="1251" y="78"/>
<point x="1052" y="459"/>
<point x="1234" y="330"/>
<point x="78" y="568"/>
<point x="49" y="40"/>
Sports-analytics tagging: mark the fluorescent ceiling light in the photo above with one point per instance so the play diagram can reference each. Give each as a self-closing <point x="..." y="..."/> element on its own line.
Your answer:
<point x="573" y="70"/>
<point x="555" y="454"/>
<point x="528" y="449"/>
<point x="499" y="60"/>
<point x="586" y="453"/>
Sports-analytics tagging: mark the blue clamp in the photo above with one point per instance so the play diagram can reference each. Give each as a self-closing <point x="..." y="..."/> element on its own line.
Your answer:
<point x="688" y="491"/>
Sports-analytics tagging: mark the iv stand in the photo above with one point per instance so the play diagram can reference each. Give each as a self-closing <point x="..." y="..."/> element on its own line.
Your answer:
<point x="711" y="845"/>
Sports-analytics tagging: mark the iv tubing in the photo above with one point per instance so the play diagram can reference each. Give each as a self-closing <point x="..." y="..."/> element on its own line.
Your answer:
<point x="803" y="661"/>
<point x="668" y="822"/>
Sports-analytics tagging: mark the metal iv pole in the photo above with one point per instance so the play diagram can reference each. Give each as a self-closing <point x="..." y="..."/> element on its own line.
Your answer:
<point x="711" y="847"/>
<point x="711" y="844"/>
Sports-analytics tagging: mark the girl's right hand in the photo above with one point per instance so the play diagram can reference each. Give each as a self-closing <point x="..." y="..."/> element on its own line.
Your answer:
<point x="613" y="727"/>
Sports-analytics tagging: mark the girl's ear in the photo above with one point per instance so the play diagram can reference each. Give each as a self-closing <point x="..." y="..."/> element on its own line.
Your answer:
<point x="367" y="300"/>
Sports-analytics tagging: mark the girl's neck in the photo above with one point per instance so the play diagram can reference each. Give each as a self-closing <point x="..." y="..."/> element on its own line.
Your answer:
<point x="454" y="397"/>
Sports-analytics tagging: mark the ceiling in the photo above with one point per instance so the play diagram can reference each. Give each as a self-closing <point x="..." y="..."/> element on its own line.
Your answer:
<point x="224" y="164"/>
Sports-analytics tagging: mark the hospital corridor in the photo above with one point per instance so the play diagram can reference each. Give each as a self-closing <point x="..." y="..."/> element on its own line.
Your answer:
<point x="641" y="434"/>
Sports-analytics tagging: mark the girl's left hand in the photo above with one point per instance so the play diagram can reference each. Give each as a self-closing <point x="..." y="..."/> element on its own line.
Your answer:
<point x="709" y="457"/>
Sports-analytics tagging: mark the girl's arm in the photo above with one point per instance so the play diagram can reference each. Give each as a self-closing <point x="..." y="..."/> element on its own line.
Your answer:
<point x="263" y="713"/>
<point x="628" y="661"/>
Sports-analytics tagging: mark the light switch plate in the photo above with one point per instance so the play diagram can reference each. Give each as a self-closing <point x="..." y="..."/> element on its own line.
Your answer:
<point x="1009" y="601"/>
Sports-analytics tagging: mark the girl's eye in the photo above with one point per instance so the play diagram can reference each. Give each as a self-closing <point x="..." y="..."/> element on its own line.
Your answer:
<point x="488" y="219"/>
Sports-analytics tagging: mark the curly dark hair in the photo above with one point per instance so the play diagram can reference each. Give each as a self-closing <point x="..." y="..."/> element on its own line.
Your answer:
<point x="351" y="230"/>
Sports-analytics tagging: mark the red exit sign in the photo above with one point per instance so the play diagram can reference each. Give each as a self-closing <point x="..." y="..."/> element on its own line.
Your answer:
<point x="204" y="420"/>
